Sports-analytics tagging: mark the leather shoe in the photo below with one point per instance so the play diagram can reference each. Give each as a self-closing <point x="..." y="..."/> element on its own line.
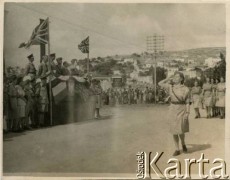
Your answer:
<point x="176" y="153"/>
<point x="185" y="149"/>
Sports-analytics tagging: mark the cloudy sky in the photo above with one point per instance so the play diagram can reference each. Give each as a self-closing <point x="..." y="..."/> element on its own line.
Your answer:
<point x="113" y="28"/>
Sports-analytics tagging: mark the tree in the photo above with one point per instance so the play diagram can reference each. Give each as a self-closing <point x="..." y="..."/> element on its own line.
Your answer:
<point x="219" y="70"/>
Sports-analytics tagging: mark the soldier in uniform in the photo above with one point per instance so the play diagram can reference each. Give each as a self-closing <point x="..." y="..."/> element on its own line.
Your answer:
<point x="72" y="68"/>
<point x="97" y="92"/>
<point x="196" y="98"/>
<point x="59" y="67"/>
<point x="12" y="93"/>
<point x="31" y="106"/>
<point x="65" y="70"/>
<point x="179" y="109"/>
<point x="43" y="101"/>
<point x="30" y="68"/>
<point x="220" y="94"/>
<point x="21" y="105"/>
<point x="43" y="70"/>
<point x="52" y="58"/>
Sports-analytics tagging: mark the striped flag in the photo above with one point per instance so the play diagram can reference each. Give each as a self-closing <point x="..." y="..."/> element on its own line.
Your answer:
<point x="84" y="45"/>
<point x="39" y="35"/>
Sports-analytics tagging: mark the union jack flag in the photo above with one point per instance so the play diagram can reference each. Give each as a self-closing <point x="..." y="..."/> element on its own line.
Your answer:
<point x="39" y="35"/>
<point x="84" y="45"/>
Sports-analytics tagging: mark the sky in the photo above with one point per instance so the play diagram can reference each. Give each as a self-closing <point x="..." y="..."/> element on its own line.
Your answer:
<point x="113" y="28"/>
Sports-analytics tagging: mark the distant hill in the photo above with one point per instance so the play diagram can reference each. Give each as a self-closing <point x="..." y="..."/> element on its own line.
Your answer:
<point x="198" y="54"/>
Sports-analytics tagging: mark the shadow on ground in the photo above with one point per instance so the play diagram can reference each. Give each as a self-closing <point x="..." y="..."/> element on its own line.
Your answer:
<point x="197" y="147"/>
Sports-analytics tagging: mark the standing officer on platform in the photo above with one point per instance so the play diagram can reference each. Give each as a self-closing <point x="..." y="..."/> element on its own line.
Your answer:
<point x="43" y="70"/>
<point x="59" y="67"/>
<point x="43" y="73"/>
<point x="53" y="65"/>
<point x="30" y="68"/>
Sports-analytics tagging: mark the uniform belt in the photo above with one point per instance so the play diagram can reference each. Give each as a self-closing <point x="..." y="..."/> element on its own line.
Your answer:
<point x="178" y="103"/>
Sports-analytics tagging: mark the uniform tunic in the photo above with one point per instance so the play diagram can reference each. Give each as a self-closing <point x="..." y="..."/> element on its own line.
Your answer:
<point x="221" y="95"/>
<point x="59" y="70"/>
<point x="42" y="71"/>
<point x="177" y="109"/>
<point x="43" y="100"/>
<point x="6" y="99"/>
<point x="208" y="95"/>
<point x="31" y="101"/>
<point x="214" y="90"/>
<point x="13" y="101"/>
<point x="196" y="99"/>
<point x="30" y="69"/>
<point x="21" y="102"/>
<point x="98" y="98"/>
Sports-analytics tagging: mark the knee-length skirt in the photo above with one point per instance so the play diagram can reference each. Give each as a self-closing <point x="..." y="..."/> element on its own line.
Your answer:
<point x="196" y="101"/>
<point x="221" y="101"/>
<point x="98" y="101"/>
<point x="208" y="101"/>
<point x="176" y="118"/>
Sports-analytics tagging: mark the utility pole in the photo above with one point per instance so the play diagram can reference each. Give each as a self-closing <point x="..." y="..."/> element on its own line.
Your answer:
<point x="155" y="44"/>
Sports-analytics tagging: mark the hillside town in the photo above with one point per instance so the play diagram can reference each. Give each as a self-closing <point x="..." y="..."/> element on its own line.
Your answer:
<point x="87" y="89"/>
<point x="137" y="69"/>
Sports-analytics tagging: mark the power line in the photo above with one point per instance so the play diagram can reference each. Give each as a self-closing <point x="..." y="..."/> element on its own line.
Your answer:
<point x="82" y="27"/>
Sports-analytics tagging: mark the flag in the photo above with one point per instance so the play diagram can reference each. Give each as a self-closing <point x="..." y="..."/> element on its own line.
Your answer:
<point x="39" y="35"/>
<point x="84" y="45"/>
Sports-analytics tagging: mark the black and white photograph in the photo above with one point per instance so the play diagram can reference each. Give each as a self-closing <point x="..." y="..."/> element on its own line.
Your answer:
<point x="114" y="90"/>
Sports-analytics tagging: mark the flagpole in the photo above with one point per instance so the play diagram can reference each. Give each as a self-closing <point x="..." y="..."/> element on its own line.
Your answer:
<point x="50" y="87"/>
<point x="88" y="63"/>
<point x="88" y="60"/>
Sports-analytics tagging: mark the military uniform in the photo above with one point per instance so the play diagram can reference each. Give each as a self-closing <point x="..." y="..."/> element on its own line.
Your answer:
<point x="31" y="105"/>
<point x="59" y="70"/>
<point x="43" y="102"/>
<point x="13" y="106"/>
<point x="30" y="69"/>
<point x="42" y="71"/>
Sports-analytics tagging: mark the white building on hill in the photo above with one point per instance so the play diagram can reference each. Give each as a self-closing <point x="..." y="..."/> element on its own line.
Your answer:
<point x="131" y="60"/>
<point x="191" y="61"/>
<point x="179" y="59"/>
<point x="211" y="62"/>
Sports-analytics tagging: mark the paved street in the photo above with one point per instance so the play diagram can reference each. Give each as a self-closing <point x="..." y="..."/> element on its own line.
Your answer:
<point x="108" y="145"/>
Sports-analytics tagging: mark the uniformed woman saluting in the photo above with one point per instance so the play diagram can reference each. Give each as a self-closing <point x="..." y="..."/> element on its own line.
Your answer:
<point x="179" y="109"/>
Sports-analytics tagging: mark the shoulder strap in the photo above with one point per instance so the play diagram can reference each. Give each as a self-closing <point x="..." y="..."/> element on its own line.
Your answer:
<point x="176" y="95"/>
